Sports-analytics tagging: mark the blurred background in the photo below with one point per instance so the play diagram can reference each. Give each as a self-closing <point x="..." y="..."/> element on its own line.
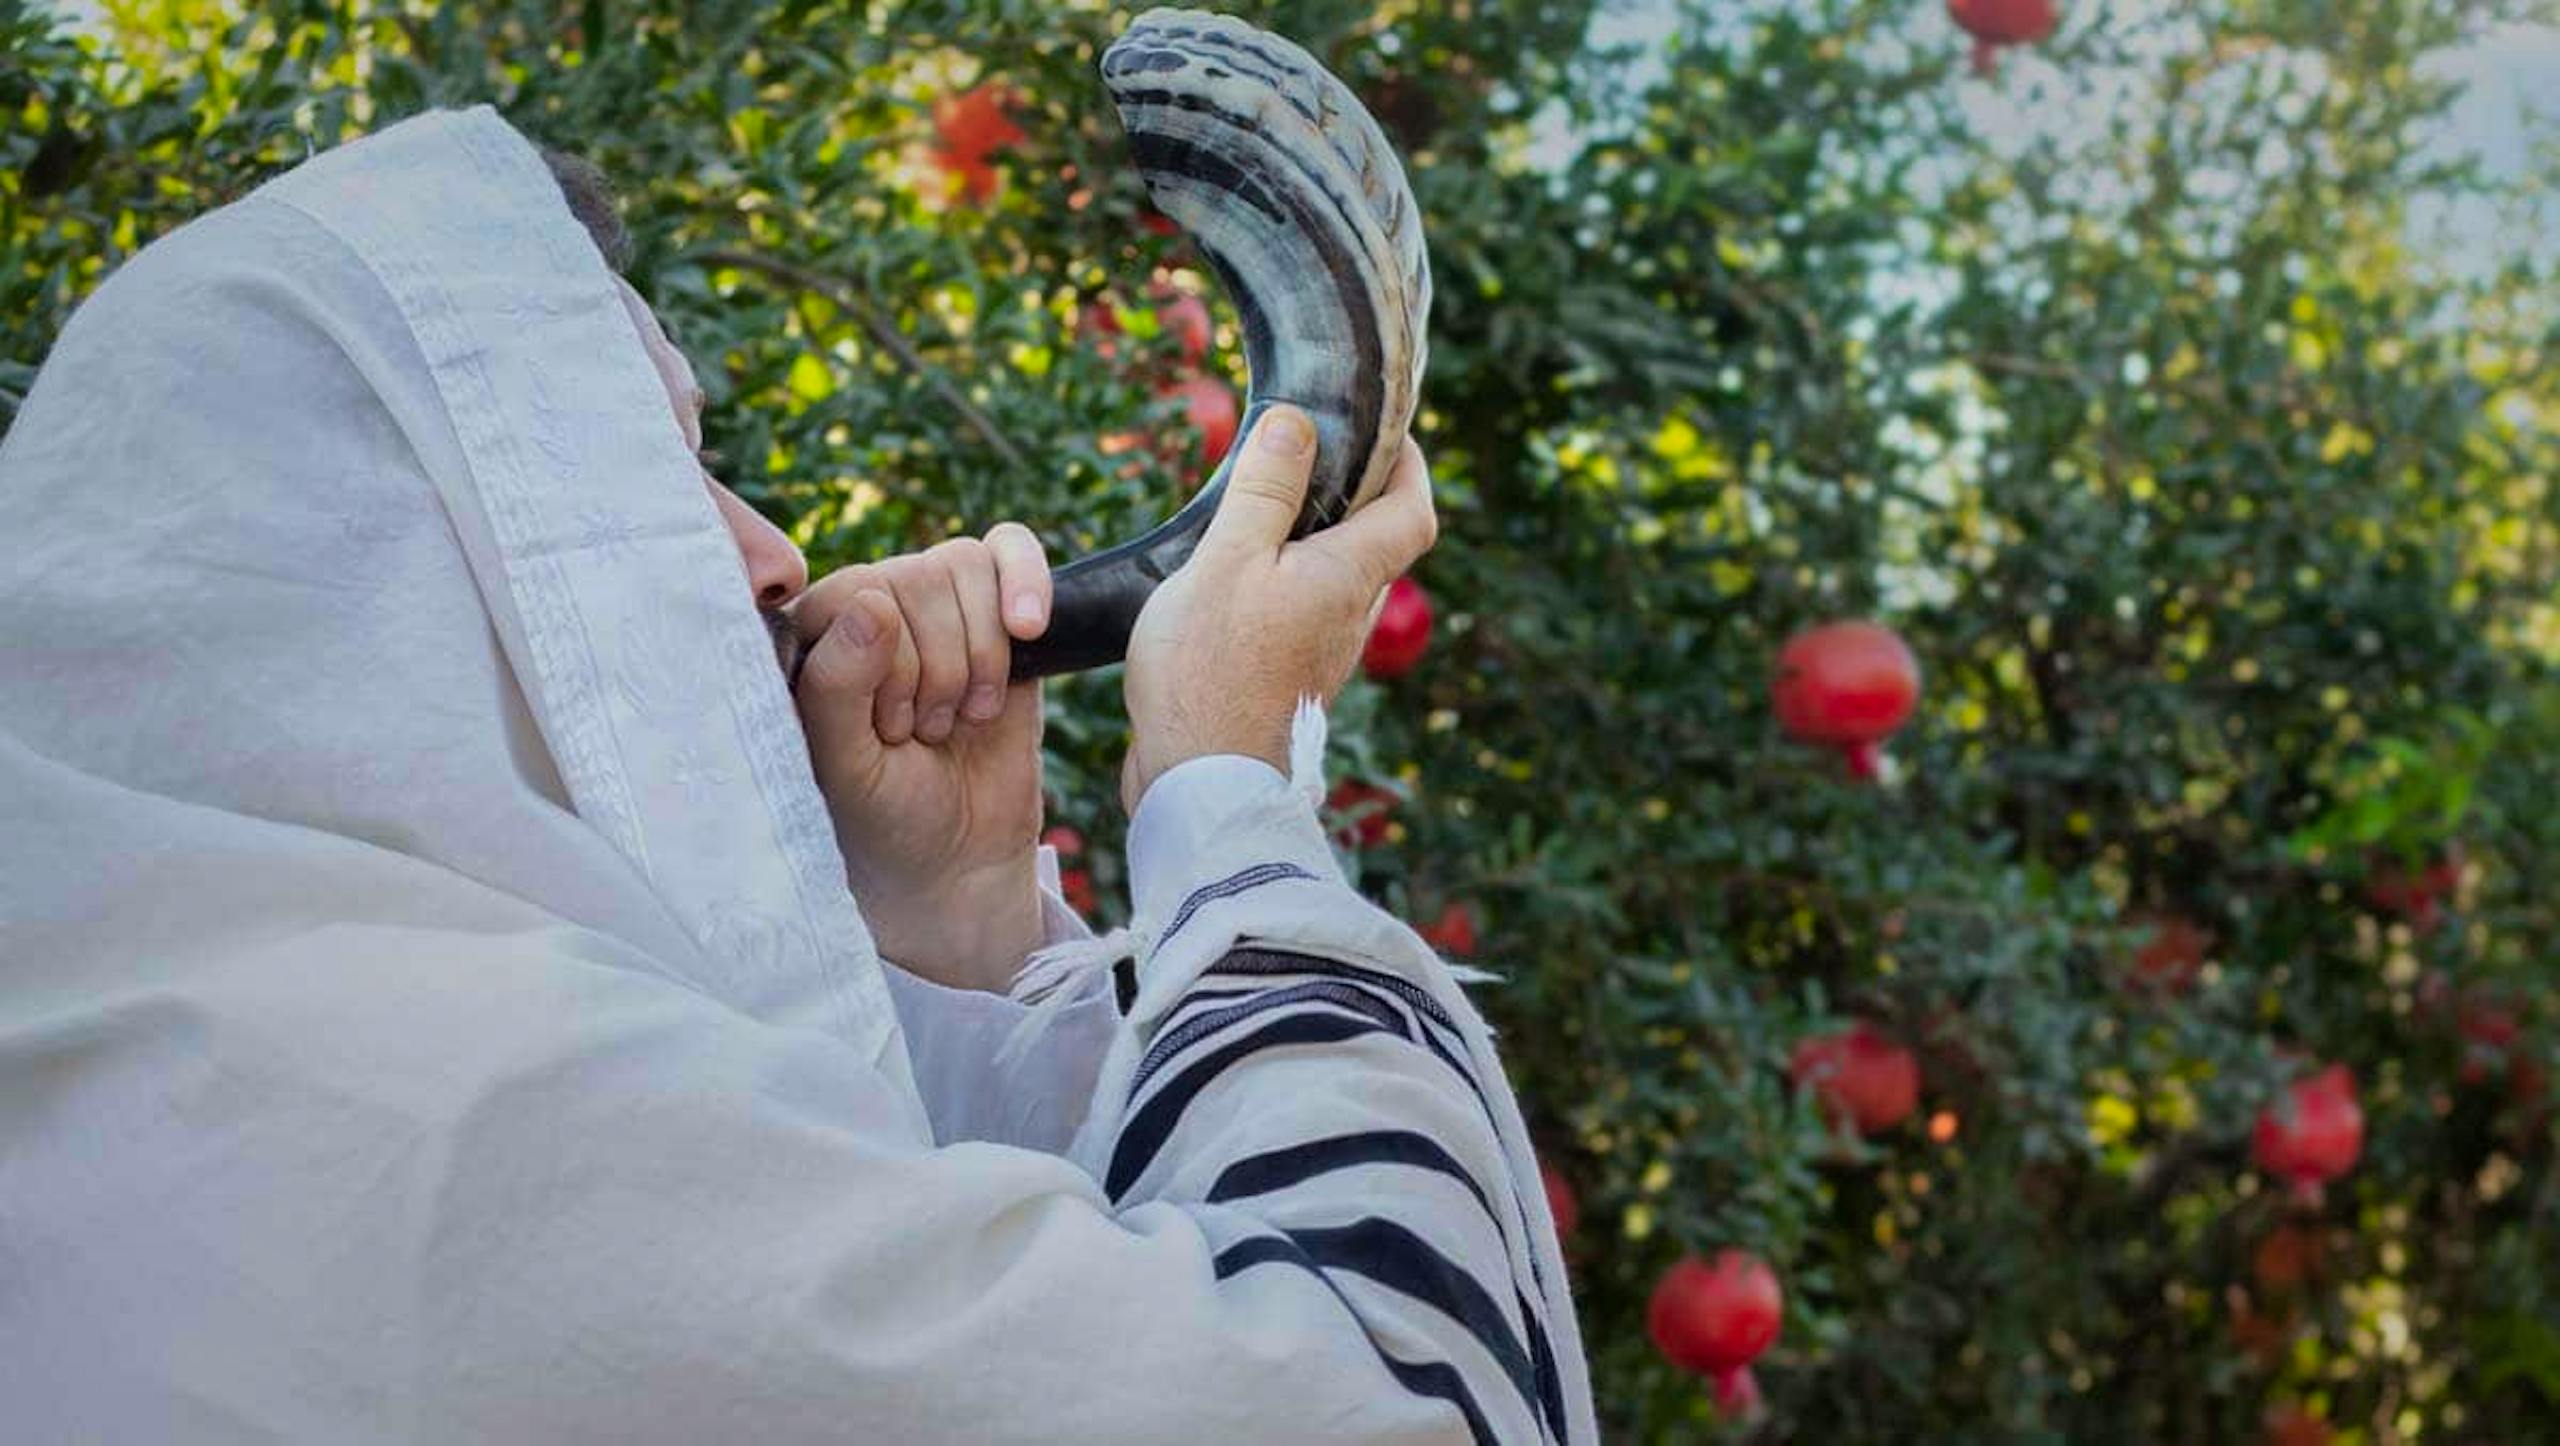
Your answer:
<point x="2149" y="1038"/>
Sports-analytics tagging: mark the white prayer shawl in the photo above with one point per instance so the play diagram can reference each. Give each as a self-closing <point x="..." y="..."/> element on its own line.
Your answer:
<point x="430" y="1006"/>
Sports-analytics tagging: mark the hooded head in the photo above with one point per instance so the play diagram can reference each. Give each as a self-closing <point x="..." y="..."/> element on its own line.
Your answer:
<point x="364" y="519"/>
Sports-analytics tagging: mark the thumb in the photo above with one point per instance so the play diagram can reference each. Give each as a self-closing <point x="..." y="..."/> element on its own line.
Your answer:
<point x="844" y="670"/>
<point x="1268" y="485"/>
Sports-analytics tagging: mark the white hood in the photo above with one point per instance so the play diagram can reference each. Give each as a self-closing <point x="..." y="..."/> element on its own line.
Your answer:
<point x="358" y="574"/>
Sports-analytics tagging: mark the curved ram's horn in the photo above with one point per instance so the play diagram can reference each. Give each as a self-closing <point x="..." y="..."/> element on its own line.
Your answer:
<point x="1289" y="187"/>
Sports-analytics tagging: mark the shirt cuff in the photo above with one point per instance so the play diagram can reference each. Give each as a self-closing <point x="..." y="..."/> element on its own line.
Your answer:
<point x="1220" y="807"/>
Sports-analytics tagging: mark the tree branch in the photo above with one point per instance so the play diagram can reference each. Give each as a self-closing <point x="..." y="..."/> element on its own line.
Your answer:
<point x="853" y="303"/>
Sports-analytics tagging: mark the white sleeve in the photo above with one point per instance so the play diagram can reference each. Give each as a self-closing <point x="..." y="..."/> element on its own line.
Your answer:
<point x="1034" y="1095"/>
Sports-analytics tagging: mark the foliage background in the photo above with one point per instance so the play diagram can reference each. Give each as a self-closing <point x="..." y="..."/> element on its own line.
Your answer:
<point x="2223" y="521"/>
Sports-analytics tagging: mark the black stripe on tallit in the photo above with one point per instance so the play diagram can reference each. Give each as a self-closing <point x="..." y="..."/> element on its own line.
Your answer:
<point x="1387" y="1253"/>
<point x="1152" y="1123"/>
<point x="1253" y="962"/>
<point x="1177" y="1038"/>
<point x="1295" y="1165"/>
<point x="1227" y="888"/>
<point x="1435" y="1379"/>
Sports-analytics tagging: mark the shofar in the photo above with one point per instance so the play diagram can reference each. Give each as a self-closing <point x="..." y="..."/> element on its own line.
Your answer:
<point x="1290" y="189"/>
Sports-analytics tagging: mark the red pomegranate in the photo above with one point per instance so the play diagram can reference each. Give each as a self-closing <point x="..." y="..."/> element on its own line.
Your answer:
<point x="1402" y="634"/>
<point x="2417" y="897"/>
<point x="1179" y="315"/>
<point x="1158" y="223"/>
<point x="1560" y="1201"/>
<point x="973" y="180"/>
<point x="2313" y="1134"/>
<point x="1185" y="318"/>
<point x="1076" y="887"/>
<point x="1848" y="686"/>
<point x="974" y="122"/>
<point x="1210" y="404"/>
<point x="1363" y="812"/>
<point x="1714" y="1318"/>
<point x="1065" y="840"/>
<point x="1453" y="933"/>
<point x="1995" y="23"/>
<point x="2173" y="956"/>
<point x="1860" y="1076"/>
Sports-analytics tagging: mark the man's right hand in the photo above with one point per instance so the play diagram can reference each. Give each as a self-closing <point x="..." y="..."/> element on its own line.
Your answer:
<point x="1253" y="622"/>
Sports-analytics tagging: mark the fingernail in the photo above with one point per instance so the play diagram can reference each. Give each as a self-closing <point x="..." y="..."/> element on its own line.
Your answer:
<point x="986" y="700"/>
<point x="1284" y="433"/>
<point x="1026" y="607"/>
<point x="862" y="626"/>
<point x="902" y="721"/>
<point x="937" y="724"/>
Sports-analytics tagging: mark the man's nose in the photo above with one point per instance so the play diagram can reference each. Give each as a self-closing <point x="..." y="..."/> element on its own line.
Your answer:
<point x="776" y="571"/>
<point x="775" y="568"/>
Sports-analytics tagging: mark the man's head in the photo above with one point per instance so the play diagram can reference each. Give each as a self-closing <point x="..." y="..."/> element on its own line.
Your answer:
<point x="776" y="573"/>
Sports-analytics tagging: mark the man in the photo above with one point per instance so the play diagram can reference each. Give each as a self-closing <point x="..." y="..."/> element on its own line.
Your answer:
<point x="433" y="999"/>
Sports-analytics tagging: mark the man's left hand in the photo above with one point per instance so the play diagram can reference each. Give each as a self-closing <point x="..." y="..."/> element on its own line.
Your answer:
<point x="927" y="753"/>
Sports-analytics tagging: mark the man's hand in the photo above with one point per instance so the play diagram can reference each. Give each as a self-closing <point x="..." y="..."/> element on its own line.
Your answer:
<point x="1253" y="621"/>
<point x="928" y="756"/>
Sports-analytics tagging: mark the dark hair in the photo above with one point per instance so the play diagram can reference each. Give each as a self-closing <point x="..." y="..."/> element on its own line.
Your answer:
<point x="590" y="198"/>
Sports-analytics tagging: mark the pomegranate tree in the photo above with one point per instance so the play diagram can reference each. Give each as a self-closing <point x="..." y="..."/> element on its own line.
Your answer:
<point x="1714" y="1318"/>
<point x="1849" y="686"/>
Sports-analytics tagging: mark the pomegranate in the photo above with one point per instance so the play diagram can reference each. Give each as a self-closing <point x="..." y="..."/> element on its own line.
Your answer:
<point x="1362" y="813"/>
<point x="1848" y="686"/>
<point x="1714" y="1318"/>
<point x="1453" y="933"/>
<point x="2418" y="897"/>
<point x="2173" y="956"/>
<point x="1065" y="840"/>
<point x="1076" y="887"/>
<point x="1210" y="404"/>
<point x="1185" y="318"/>
<point x="974" y="122"/>
<point x="2313" y="1134"/>
<point x="972" y="180"/>
<point x="1402" y="633"/>
<point x="1995" y="23"/>
<point x="1860" y="1076"/>
<point x="1560" y="1201"/>
<point x="1179" y="315"/>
